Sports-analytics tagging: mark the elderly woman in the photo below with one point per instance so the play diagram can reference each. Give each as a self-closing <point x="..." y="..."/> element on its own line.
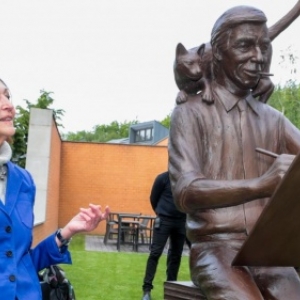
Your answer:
<point x="19" y="263"/>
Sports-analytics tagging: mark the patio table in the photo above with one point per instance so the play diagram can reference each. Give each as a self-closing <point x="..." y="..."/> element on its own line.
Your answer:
<point x="128" y="224"/>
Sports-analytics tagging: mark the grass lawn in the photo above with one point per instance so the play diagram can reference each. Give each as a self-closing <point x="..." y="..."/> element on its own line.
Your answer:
<point x="111" y="275"/>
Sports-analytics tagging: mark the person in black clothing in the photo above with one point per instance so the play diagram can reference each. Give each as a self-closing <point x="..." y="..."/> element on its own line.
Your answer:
<point x="170" y="223"/>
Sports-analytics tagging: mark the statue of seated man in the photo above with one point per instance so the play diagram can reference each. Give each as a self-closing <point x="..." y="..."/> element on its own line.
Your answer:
<point x="217" y="177"/>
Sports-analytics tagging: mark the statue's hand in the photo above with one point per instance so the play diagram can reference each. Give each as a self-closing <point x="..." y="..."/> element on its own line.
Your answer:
<point x="276" y="172"/>
<point x="264" y="89"/>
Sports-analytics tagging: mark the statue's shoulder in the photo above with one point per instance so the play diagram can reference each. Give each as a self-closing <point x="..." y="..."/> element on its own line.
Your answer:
<point x="267" y="112"/>
<point x="192" y="101"/>
<point x="267" y="107"/>
<point x="191" y="110"/>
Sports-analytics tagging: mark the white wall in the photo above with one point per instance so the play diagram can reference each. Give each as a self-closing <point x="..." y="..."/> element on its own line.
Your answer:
<point x="38" y="156"/>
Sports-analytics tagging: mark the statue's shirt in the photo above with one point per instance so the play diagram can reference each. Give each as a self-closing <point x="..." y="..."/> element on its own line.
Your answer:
<point x="218" y="142"/>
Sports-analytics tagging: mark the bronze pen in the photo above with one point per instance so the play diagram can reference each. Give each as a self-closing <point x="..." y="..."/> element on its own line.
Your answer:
<point x="266" y="152"/>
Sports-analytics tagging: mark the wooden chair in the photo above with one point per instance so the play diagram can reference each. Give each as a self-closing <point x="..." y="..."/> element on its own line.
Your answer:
<point x="111" y="232"/>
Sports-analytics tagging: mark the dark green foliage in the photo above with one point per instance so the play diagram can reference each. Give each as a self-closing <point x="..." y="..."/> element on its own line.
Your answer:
<point x="287" y="100"/>
<point x="102" y="133"/>
<point x="166" y="121"/>
<point x="115" y="130"/>
<point x="21" y="122"/>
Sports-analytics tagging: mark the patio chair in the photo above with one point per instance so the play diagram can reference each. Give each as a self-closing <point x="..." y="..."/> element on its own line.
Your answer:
<point x="111" y="232"/>
<point x="144" y="229"/>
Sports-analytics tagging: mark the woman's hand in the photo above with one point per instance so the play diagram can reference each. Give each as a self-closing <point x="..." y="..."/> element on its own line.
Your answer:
<point x="86" y="220"/>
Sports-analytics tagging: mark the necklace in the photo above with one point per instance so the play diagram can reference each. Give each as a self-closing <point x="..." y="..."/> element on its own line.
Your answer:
<point x="2" y="172"/>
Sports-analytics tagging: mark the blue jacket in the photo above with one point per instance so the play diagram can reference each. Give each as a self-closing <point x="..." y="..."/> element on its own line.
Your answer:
<point x="19" y="263"/>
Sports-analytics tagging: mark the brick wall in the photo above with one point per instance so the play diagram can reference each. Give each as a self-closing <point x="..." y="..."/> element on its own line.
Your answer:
<point x="163" y="142"/>
<point x="117" y="175"/>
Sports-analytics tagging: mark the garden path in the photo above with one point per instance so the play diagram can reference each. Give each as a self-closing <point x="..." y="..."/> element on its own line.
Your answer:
<point x="95" y="243"/>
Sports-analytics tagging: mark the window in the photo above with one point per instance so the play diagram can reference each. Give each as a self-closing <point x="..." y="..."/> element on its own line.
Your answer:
<point x="143" y="135"/>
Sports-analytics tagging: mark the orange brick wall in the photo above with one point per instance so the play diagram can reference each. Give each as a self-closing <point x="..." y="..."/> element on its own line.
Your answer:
<point x="163" y="142"/>
<point x="117" y="175"/>
<point x="51" y="223"/>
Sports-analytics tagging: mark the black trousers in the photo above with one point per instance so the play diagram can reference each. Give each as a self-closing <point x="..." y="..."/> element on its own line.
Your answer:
<point x="175" y="230"/>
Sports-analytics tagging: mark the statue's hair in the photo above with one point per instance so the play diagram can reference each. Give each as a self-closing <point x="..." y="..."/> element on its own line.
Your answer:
<point x="230" y="19"/>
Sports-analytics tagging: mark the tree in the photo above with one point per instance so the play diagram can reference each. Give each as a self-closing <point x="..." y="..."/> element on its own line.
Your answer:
<point x="166" y="121"/>
<point x="287" y="100"/>
<point x="286" y="97"/>
<point x="102" y="133"/>
<point x="21" y="122"/>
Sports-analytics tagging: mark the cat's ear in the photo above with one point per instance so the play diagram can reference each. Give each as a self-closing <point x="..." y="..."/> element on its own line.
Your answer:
<point x="180" y="50"/>
<point x="201" y="50"/>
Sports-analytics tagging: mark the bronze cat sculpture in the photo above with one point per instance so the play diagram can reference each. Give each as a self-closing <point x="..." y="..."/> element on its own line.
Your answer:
<point x="193" y="67"/>
<point x="192" y="72"/>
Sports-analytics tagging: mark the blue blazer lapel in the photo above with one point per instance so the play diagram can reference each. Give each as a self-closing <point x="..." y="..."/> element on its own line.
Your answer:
<point x="14" y="182"/>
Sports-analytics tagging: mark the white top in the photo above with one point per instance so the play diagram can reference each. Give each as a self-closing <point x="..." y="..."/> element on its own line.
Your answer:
<point x="5" y="156"/>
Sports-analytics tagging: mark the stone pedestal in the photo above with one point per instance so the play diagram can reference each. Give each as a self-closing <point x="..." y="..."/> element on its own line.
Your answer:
<point x="181" y="290"/>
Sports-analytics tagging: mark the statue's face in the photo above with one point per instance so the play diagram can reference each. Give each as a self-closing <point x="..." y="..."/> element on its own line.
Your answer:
<point x="247" y="50"/>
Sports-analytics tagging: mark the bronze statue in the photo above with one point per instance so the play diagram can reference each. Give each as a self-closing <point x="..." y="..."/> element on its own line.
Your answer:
<point x="193" y="67"/>
<point x="217" y="177"/>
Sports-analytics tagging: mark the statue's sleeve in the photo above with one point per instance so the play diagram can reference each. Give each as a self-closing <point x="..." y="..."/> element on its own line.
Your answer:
<point x="291" y="137"/>
<point x="184" y="153"/>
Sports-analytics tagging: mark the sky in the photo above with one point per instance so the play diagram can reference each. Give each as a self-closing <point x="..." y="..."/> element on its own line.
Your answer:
<point x="112" y="60"/>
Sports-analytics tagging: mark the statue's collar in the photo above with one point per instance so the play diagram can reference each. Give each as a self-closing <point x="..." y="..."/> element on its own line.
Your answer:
<point x="230" y="100"/>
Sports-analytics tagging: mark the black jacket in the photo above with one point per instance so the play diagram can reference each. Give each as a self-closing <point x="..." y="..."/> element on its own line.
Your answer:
<point x="161" y="198"/>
